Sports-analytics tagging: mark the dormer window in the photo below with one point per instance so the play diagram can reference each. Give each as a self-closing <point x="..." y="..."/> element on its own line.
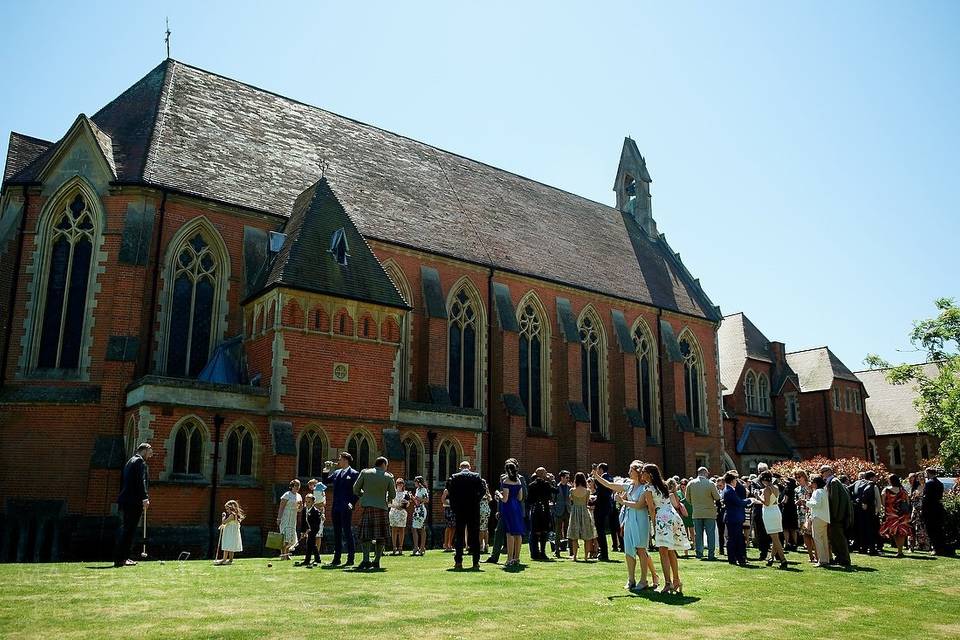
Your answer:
<point x="338" y="246"/>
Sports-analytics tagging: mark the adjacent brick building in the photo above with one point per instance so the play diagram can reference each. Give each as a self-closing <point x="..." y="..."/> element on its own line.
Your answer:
<point x="781" y="406"/>
<point x="892" y="420"/>
<point x="252" y="284"/>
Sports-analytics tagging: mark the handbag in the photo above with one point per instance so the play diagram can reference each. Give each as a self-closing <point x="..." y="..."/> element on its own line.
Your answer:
<point x="274" y="540"/>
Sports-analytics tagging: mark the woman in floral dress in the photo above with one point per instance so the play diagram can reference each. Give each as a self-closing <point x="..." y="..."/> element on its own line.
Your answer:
<point x="804" y="518"/>
<point x="421" y="498"/>
<point x="921" y="542"/>
<point x="671" y="535"/>
<point x="485" y="517"/>
<point x="398" y="517"/>
<point x="897" y="511"/>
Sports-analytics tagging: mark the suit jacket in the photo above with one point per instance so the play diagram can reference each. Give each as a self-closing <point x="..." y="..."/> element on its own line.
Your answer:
<point x="932" y="496"/>
<point x="313" y="517"/>
<point x="734" y="506"/>
<point x="604" y="496"/>
<point x="465" y="489"/>
<point x="375" y="487"/>
<point x="133" y="482"/>
<point x="703" y="496"/>
<point x="841" y="505"/>
<point x="342" y="481"/>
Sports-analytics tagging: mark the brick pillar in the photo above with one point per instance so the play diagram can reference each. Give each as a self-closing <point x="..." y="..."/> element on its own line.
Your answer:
<point x="436" y="345"/>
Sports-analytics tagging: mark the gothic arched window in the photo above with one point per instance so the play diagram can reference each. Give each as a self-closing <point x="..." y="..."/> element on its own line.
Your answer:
<point x="763" y="393"/>
<point x="239" y="460"/>
<point x="188" y="449"/>
<point x="196" y="274"/>
<point x="360" y="447"/>
<point x="311" y="452"/>
<point x="531" y="365"/>
<point x="448" y="460"/>
<point x="591" y="374"/>
<point x="693" y="382"/>
<point x="72" y="235"/>
<point x="462" y="350"/>
<point x="750" y="390"/>
<point x="643" y="346"/>
<point x="896" y="454"/>
<point x="412" y="457"/>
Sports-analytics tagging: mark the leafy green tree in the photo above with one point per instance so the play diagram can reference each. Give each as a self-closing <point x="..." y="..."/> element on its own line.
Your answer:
<point x="873" y="361"/>
<point x="939" y="396"/>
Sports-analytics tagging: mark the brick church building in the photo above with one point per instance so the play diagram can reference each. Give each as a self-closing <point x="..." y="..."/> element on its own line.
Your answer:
<point x="252" y="285"/>
<point x="780" y="405"/>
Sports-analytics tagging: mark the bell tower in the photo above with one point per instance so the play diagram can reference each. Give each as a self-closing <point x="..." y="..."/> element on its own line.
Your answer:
<point x="632" y="187"/>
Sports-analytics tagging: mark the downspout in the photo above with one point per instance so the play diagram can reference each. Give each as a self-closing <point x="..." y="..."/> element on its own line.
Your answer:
<point x="12" y="303"/>
<point x="214" y="479"/>
<point x="489" y="451"/>
<point x="431" y="440"/>
<point x="151" y="316"/>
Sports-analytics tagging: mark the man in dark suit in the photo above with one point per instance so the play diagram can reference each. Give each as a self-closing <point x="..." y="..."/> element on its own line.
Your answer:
<point x="541" y="493"/>
<point x="841" y="516"/>
<point x="342" y="481"/>
<point x="735" y="504"/>
<point x="762" y="537"/>
<point x="601" y="511"/>
<point x="934" y="514"/>
<point x="132" y="502"/>
<point x="465" y="489"/>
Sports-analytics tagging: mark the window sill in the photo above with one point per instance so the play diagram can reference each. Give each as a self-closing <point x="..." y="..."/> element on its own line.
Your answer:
<point x="598" y="437"/>
<point x="180" y="479"/>
<point x="248" y="482"/>
<point x="52" y="374"/>
<point x="539" y="433"/>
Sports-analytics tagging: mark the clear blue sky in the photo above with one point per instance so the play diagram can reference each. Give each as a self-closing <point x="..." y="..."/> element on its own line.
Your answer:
<point x="804" y="156"/>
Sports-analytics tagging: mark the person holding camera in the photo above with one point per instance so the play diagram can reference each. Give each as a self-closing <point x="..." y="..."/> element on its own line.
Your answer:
<point x="341" y="481"/>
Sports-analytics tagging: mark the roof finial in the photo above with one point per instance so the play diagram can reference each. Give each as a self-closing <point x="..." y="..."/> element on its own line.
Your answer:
<point x="323" y="164"/>
<point x="167" y="38"/>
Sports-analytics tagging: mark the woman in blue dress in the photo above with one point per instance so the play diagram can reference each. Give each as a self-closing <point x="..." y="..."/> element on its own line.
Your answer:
<point x="637" y="505"/>
<point x="511" y="512"/>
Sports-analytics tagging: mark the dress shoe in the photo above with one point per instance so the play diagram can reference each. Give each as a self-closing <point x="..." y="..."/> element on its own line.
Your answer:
<point x="363" y="566"/>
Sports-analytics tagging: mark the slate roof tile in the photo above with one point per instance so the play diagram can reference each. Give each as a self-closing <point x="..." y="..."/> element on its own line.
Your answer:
<point x="890" y="406"/>
<point x="817" y="368"/>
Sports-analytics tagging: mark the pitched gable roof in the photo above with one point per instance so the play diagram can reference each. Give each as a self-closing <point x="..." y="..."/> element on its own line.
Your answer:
<point x="305" y="263"/>
<point x="21" y="151"/>
<point x="890" y="408"/>
<point x="817" y="368"/>
<point x="739" y="339"/>
<point x="199" y="133"/>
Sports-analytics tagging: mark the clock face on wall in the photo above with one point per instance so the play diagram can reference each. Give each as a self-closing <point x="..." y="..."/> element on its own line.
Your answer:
<point x="341" y="371"/>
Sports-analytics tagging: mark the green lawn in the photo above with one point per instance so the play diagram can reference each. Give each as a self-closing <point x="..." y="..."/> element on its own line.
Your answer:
<point x="917" y="597"/>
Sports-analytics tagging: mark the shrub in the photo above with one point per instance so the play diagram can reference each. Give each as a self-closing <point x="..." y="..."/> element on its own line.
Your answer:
<point x="849" y="467"/>
<point x="951" y="523"/>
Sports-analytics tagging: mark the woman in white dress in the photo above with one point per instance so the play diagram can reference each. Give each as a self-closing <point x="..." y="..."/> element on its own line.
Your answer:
<point x="772" y="517"/>
<point x="421" y="498"/>
<point x="230" y="541"/>
<point x="398" y="517"/>
<point x="291" y="503"/>
<point x="671" y="535"/>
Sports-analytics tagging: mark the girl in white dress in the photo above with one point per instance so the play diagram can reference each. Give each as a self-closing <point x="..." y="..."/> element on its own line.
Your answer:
<point x="772" y="518"/>
<point x="230" y="541"/>
<point x="290" y="504"/>
<point x="671" y="535"/>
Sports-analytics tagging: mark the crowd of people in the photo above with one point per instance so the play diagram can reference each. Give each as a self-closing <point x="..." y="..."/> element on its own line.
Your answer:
<point x="642" y="512"/>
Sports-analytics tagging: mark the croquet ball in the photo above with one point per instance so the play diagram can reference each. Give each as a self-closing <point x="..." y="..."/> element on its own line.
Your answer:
<point x="161" y="562"/>
<point x="269" y="564"/>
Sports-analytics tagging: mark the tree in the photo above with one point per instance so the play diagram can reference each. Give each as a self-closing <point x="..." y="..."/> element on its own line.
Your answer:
<point x="873" y="361"/>
<point x="938" y="399"/>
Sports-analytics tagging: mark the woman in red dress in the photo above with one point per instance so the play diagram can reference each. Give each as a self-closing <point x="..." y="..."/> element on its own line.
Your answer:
<point x="896" y="509"/>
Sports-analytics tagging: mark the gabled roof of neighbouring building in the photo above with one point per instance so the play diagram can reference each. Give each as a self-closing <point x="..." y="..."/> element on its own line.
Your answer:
<point x="195" y="132"/>
<point x="890" y="408"/>
<point x="762" y="439"/>
<point x="817" y="368"/>
<point x="739" y="339"/>
<point x="305" y="261"/>
<point x="21" y="151"/>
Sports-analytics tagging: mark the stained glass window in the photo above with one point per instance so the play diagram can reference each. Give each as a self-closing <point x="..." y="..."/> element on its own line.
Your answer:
<point x="531" y="365"/>
<point x="590" y="372"/>
<point x="311" y="453"/>
<point x="646" y="396"/>
<point x="65" y="302"/>
<point x="462" y="351"/>
<point x="195" y="279"/>
<point x="239" y="459"/>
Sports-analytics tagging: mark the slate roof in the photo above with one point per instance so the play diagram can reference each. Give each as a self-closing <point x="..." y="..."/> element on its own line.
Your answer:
<point x="305" y="263"/>
<point x="817" y="368"/>
<point x="21" y="151"/>
<point x="763" y="439"/>
<point x="890" y="406"/>
<point x="196" y="132"/>
<point x="739" y="339"/>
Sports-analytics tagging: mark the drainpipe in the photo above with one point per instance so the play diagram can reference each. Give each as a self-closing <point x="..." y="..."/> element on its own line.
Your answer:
<point x="12" y="303"/>
<point x="431" y="440"/>
<point x="489" y="451"/>
<point x="214" y="478"/>
<point x="151" y="316"/>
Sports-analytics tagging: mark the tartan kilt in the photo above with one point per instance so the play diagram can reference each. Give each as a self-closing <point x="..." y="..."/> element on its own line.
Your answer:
<point x="374" y="525"/>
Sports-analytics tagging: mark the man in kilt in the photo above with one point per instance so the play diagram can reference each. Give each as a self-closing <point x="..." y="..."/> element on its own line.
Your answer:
<point x="376" y="489"/>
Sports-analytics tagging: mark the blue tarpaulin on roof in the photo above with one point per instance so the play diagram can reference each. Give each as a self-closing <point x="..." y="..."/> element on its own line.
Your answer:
<point x="225" y="365"/>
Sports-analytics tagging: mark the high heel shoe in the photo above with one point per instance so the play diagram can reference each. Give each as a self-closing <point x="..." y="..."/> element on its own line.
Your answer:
<point x="678" y="588"/>
<point x="783" y="564"/>
<point x="667" y="588"/>
<point x="656" y="584"/>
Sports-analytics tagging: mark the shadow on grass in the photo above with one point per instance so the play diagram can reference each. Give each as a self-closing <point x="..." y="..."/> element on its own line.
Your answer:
<point x="105" y="566"/>
<point x="655" y="596"/>
<point x="851" y="569"/>
<point x="515" y="568"/>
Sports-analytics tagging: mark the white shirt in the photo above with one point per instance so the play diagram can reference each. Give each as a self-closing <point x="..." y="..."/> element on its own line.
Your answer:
<point x="819" y="504"/>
